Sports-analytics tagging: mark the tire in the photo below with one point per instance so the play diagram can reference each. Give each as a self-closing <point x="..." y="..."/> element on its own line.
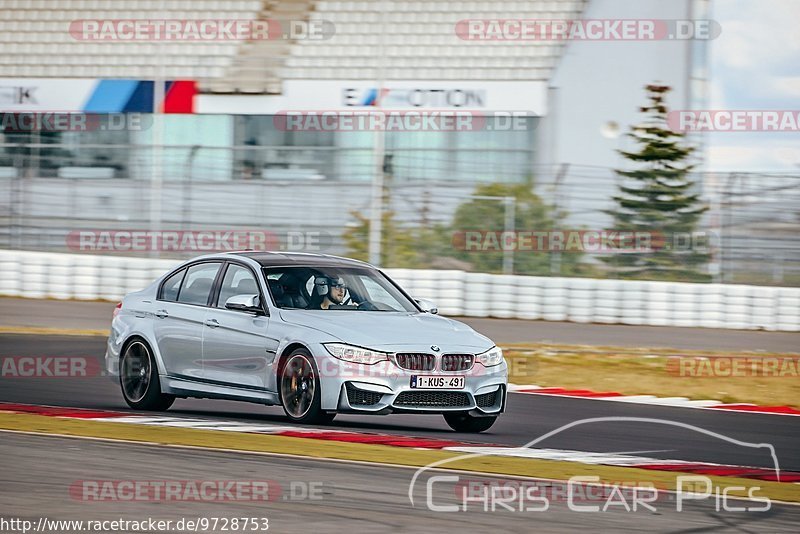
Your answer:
<point x="138" y="379"/>
<point x="464" y="422"/>
<point x="300" y="390"/>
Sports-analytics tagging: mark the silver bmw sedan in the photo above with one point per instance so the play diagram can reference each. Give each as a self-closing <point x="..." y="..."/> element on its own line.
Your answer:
<point x="317" y="334"/>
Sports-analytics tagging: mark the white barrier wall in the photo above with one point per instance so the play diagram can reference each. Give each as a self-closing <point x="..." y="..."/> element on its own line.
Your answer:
<point x="457" y="293"/>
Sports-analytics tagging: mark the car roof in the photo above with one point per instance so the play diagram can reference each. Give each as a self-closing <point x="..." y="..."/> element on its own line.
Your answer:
<point x="304" y="259"/>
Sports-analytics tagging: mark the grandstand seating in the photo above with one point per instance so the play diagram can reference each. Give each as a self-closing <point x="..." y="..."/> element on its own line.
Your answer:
<point x="35" y="40"/>
<point x="411" y="40"/>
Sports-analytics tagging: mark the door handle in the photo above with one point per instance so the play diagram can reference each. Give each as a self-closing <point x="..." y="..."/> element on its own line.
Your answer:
<point x="213" y="323"/>
<point x="161" y="314"/>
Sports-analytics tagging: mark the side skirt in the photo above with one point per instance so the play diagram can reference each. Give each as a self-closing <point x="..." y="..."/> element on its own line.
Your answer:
<point x="184" y="387"/>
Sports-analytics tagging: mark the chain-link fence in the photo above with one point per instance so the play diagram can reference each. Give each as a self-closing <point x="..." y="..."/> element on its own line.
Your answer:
<point x="115" y="198"/>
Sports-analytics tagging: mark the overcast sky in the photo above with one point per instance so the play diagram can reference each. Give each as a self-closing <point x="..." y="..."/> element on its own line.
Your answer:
<point x="755" y="64"/>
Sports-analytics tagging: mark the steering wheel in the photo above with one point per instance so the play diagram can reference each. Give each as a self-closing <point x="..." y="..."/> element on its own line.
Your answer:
<point x="367" y="306"/>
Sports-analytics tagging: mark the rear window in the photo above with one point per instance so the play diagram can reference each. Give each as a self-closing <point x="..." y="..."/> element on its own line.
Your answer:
<point x="171" y="286"/>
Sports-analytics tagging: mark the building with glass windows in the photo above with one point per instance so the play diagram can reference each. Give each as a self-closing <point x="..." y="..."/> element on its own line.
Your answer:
<point x="221" y="103"/>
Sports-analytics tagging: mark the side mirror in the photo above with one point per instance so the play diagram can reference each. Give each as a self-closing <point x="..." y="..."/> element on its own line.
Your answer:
<point x="246" y="303"/>
<point x="427" y="306"/>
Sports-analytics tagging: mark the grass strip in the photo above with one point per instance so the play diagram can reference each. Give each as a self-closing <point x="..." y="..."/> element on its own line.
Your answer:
<point x="654" y="371"/>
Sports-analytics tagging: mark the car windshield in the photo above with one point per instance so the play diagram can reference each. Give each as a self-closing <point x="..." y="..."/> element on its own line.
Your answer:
<point x="335" y="288"/>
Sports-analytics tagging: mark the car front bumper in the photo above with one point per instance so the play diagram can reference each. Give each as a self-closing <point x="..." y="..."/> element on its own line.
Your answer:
<point x="385" y="388"/>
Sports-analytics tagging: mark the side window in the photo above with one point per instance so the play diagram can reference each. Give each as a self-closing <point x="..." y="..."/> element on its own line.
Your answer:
<point x="197" y="284"/>
<point x="238" y="280"/>
<point x="171" y="286"/>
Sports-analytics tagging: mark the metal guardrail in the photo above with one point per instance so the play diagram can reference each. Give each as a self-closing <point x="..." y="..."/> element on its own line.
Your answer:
<point x="321" y="189"/>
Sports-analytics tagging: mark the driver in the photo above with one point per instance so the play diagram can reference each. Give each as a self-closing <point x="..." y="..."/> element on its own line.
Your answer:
<point x="332" y="289"/>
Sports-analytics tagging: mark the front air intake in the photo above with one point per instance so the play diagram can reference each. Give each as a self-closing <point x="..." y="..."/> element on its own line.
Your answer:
<point x="432" y="399"/>
<point x="362" y="397"/>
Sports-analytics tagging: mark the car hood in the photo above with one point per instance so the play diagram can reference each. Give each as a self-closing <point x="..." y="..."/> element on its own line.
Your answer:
<point x="391" y="331"/>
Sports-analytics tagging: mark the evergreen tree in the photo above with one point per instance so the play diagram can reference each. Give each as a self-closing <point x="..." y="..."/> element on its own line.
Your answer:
<point x="658" y="198"/>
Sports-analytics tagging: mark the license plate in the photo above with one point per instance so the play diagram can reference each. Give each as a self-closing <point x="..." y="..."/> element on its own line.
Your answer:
<point x="437" y="382"/>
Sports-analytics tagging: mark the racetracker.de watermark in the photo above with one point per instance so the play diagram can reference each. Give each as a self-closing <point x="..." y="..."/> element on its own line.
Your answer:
<point x="586" y="30"/>
<point x="68" y="121"/>
<point x="126" y="30"/>
<point x="140" y="240"/>
<point x="49" y="367"/>
<point x="734" y="120"/>
<point x="581" y="241"/>
<point x="194" y="490"/>
<point x="386" y="368"/>
<point x="403" y="120"/>
<point x="735" y="366"/>
<point x="170" y="240"/>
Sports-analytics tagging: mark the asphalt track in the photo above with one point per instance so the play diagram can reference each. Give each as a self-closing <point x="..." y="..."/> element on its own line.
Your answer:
<point x="346" y="497"/>
<point x="528" y="416"/>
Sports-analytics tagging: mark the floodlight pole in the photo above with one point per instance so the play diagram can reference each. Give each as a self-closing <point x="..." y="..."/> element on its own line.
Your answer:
<point x="509" y="204"/>
<point x="156" y="178"/>
<point x="509" y="226"/>
<point x="376" y="206"/>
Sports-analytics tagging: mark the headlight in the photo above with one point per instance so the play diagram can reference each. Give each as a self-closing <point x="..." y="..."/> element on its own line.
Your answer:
<point x="493" y="356"/>
<point x="353" y="354"/>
